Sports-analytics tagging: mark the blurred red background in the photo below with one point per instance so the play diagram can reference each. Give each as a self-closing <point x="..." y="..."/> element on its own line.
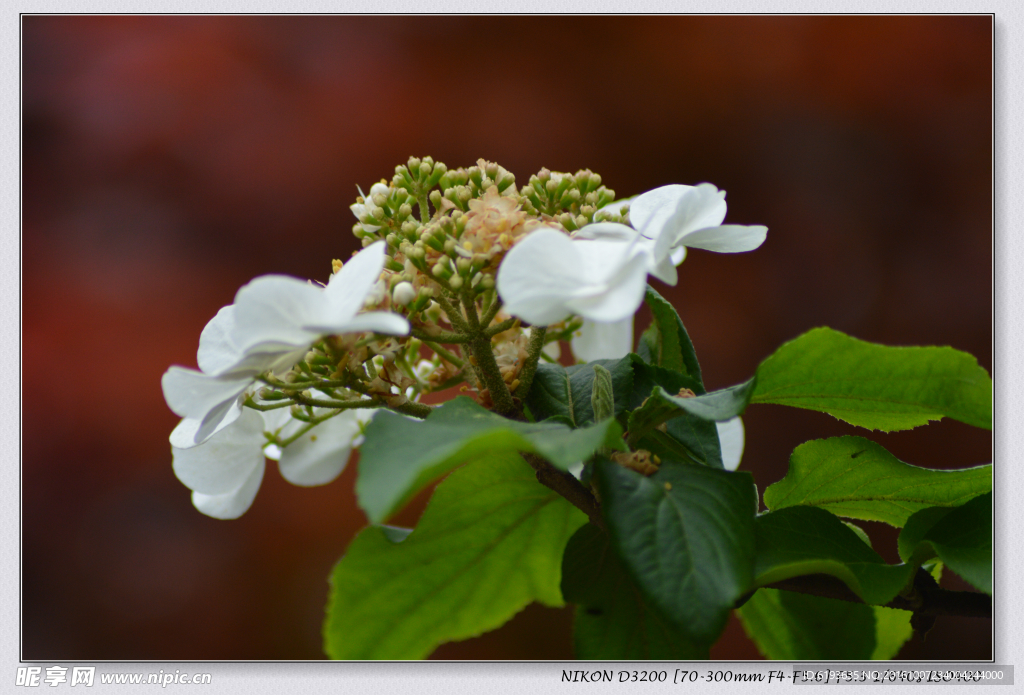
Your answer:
<point x="168" y="160"/>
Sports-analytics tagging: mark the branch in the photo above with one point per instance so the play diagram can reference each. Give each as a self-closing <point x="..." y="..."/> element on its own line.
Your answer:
<point x="566" y="485"/>
<point x="925" y="599"/>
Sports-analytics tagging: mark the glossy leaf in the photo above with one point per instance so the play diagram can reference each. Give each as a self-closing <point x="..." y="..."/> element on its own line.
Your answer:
<point x="666" y="343"/>
<point x="857" y="478"/>
<point x="685" y="535"/>
<point x="960" y="536"/>
<point x="490" y="541"/>
<point x="401" y="456"/>
<point x="565" y="393"/>
<point x="874" y="386"/>
<point x="806" y="540"/>
<point x="614" y="620"/>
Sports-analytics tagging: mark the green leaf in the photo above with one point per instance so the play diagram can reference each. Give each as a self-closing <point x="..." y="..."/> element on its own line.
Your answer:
<point x="856" y="478"/>
<point x="401" y="456"/>
<point x="960" y="536"/>
<point x="873" y="386"/>
<point x="686" y="536"/>
<point x="490" y="542"/>
<point x="663" y="406"/>
<point x="798" y="627"/>
<point x="686" y="437"/>
<point x="892" y="630"/>
<point x="602" y="399"/>
<point x="666" y="342"/>
<point x="565" y="393"/>
<point x="806" y="540"/>
<point x="614" y="621"/>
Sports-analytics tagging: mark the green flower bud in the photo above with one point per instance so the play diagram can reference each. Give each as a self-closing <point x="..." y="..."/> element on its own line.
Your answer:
<point x="405" y="210"/>
<point x="506" y="181"/>
<point x="414" y="164"/>
<point x="463" y="264"/>
<point x="487" y="282"/>
<point x="456" y="282"/>
<point x="425" y="169"/>
<point x="435" y="198"/>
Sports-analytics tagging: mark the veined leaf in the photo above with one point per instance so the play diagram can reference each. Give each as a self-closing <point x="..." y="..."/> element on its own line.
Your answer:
<point x="857" y="478"/>
<point x="614" y="621"/>
<point x="401" y="456"/>
<point x="685" y="535"/>
<point x="874" y="386"/>
<point x="871" y="386"/>
<point x="666" y="343"/>
<point x="490" y="542"/>
<point x="806" y="540"/>
<point x="565" y="393"/>
<point x="959" y="536"/>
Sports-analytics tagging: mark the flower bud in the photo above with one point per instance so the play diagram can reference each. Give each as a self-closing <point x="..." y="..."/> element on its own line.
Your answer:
<point x="435" y="198"/>
<point x="487" y="282"/>
<point x="595" y="180"/>
<point x="456" y="282"/>
<point x="426" y="292"/>
<point x="425" y="169"/>
<point x="379" y="199"/>
<point x="463" y="264"/>
<point x="404" y="210"/>
<point x="403" y="293"/>
<point x="414" y="164"/>
<point x="377" y="214"/>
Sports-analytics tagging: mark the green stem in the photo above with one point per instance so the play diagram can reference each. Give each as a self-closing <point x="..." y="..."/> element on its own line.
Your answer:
<point x="250" y="403"/>
<point x="441" y="337"/>
<point x="499" y="327"/>
<point x="448" y="356"/>
<point x="454" y="315"/>
<point x="492" y="311"/>
<point x="533" y="352"/>
<point x="486" y="365"/>
<point x="418" y="410"/>
<point x="421" y="201"/>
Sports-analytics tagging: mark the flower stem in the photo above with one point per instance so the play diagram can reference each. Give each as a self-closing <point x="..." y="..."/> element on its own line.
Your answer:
<point x="441" y="337"/>
<point x="533" y="354"/>
<point x="480" y="347"/>
<point x="444" y="354"/>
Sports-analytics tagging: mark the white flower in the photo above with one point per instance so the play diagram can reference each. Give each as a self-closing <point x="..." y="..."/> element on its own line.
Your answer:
<point x="225" y="472"/>
<point x="676" y="217"/>
<point x="367" y="207"/>
<point x="548" y="276"/>
<point x="270" y="327"/>
<point x="600" y="273"/>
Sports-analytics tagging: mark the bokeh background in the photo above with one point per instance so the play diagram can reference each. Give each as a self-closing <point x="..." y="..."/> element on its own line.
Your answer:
<point x="169" y="160"/>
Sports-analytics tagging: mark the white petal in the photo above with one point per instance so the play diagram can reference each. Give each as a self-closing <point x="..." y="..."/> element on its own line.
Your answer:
<point x="192" y="394"/>
<point x="649" y="211"/>
<point x="729" y="238"/>
<point x="272" y="309"/>
<point x="224" y="461"/>
<point x="612" y="231"/>
<point x="217" y="351"/>
<point x="348" y="288"/>
<point x="376" y="321"/>
<point x="319" y="455"/>
<point x="233" y="504"/>
<point x="553" y="350"/>
<point x="184" y="435"/>
<point x="622" y="294"/>
<point x="601" y="341"/>
<point x="539" y="275"/>
<point x="730" y="436"/>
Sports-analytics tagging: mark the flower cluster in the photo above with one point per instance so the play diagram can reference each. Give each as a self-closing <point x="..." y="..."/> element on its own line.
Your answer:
<point x="453" y="263"/>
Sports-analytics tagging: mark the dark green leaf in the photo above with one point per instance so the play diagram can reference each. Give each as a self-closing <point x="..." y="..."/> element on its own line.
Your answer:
<point x="806" y="540"/>
<point x="613" y="618"/>
<point x="960" y="536"/>
<point x="686" y="536"/>
<point x="401" y="455"/>
<point x="856" y="478"/>
<point x="565" y="393"/>
<point x="798" y="627"/>
<point x="602" y="399"/>
<point x="490" y="542"/>
<point x="666" y="342"/>
<point x="873" y="386"/>
<point x="663" y="406"/>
